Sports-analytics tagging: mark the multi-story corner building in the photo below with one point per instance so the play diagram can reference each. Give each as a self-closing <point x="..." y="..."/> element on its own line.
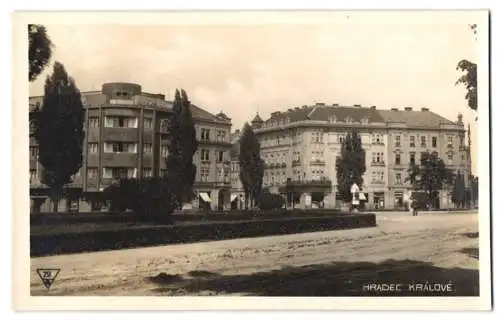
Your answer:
<point x="301" y="145"/>
<point x="126" y="135"/>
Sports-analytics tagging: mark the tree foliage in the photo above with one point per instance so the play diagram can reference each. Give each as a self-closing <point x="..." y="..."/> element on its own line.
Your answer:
<point x="458" y="195"/>
<point x="430" y="176"/>
<point x="469" y="78"/>
<point x="149" y="198"/>
<point x="268" y="201"/>
<point x="350" y="165"/>
<point x="58" y="129"/>
<point x="39" y="50"/>
<point x="251" y="164"/>
<point x="181" y="171"/>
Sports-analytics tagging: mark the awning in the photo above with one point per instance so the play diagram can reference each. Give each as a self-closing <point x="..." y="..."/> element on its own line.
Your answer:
<point x="205" y="197"/>
<point x="234" y="196"/>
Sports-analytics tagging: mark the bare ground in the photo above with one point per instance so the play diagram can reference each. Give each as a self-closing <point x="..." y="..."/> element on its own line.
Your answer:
<point x="434" y="247"/>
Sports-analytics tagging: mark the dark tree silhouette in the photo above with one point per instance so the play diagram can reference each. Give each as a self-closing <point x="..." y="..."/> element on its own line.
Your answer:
<point x="58" y="129"/>
<point x="469" y="78"/>
<point x="350" y="165"/>
<point x="39" y="51"/>
<point x="251" y="165"/>
<point x="430" y="176"/>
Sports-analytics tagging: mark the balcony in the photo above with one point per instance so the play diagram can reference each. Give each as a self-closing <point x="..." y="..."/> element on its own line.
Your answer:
<point x="323" y="183"/>
<point x="381" y="164"/>
<point x="214" y="142"/>
<point x="317" y="162"/>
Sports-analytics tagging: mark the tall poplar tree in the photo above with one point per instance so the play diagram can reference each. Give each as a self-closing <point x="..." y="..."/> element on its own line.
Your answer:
<point x="350" y="165"/>
<point x="59" y="131"/>
<point x="251" y="164"/>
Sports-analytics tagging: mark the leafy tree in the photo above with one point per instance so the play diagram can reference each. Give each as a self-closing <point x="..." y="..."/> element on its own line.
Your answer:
<point x="430" y="176"/>
<point x="469" y="79"/>
<point x="251" y="165"/>
<point x="268" y="201"/>
<point x="350" y="165"/>
<point x="39" y="51"/>
<point x="148" y="197"/>
<point x="458" y="195"/>
<point x="181" y="171"/>
<point x="58" y="129"/>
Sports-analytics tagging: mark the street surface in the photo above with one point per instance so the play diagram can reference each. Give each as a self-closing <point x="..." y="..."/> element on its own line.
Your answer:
<point x="432" y="247"/>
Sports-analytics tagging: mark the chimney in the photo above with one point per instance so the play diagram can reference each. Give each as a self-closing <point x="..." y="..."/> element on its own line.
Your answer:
<point x="373" y="107"/>
<point x="394" y="109"/>
<point x="407" y="108"/>
<point x="425" y="109"/>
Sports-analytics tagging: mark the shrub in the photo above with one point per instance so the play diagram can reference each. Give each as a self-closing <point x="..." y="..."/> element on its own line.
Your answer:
<point x="268" y="201"/>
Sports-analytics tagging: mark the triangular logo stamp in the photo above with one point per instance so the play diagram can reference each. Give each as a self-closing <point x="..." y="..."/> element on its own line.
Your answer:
<point x="48" y="276"/>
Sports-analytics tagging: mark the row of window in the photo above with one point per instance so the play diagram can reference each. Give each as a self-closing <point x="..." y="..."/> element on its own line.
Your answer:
<point x="423" y="141"/>
<point x="220" y="135"/>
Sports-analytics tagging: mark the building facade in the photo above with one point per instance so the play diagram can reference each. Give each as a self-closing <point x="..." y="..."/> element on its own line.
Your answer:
<point x="127" y="135"/>
<point x="300" y="146"/>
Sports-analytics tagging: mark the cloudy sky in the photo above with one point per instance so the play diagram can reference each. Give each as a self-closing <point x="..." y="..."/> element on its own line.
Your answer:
<point x="244" y="68"/>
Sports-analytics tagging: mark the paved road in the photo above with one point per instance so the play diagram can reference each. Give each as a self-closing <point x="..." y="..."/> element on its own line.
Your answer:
<point x="433" y="247"/>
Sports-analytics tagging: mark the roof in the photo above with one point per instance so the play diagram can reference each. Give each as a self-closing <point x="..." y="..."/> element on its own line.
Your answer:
<point x="321" y="112"/>
<point x="96" y="98"/>
<point x="257" y="119"/>
<point x="420" y="119"/>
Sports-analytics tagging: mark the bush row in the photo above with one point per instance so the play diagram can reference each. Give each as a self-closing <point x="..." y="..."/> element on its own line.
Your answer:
<point x="42" y="245"/>
<point x="234" y="215"/>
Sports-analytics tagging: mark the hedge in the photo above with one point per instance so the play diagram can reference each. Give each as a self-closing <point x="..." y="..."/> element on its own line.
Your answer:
<point x="65" y="243"/>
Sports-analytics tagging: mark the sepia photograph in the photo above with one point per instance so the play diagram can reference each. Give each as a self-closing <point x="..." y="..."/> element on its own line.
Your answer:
<point x="318" y="156"/>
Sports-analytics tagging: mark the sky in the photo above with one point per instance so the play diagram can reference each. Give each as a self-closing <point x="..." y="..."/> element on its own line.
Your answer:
<point x="242" y="69"/>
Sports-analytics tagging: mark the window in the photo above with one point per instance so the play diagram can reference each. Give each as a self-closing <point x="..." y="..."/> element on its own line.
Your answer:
<point x="148" y="123"/>
<point x="93" y="148"/>
<point x="340" y="139"/>
<point x="398" y="179"/>
<point x="421" y="158"/>
<point x="92" y="173"/>
<point x="164" y="124"/>
<point x="205" y="134"/>
<point x="147" y="148"/>
<point x="450" y="141"/>
<point x="412" y="141"/>
<point x="398" y="141"/>
<point x="412" y="158"/>
<point x="120" y="122"/>
<point x="450" y="157"/>
<point x="119" y="172"/>
<point x="33" y="152"/>
<point x="434" y="142"/>
<point x="378" y="158"/>
<point x="220" y="156"/>
<point x="119" y="147"/>
<point x="423" y="142"/>
<point x="205" y="155"/>
<point x="147" y="172"/>
<point x="33" y="175"/>
<point x="221" y="135"/>
<point x="164" y="149"/>
<point x="204" y="172"/>
<point x="398" y="159"/>
<point x="93" y="122"/>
